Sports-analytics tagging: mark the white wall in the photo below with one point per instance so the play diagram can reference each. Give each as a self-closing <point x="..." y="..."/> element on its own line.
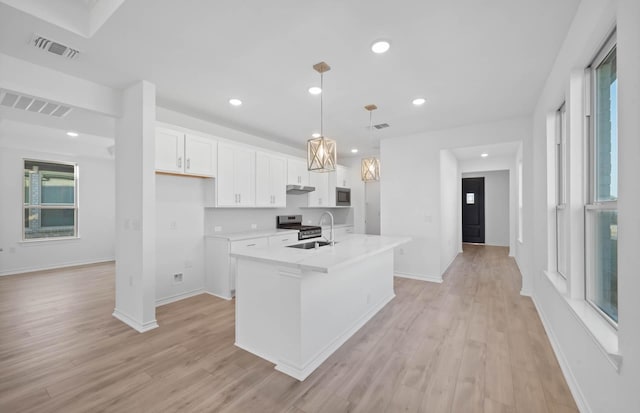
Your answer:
<point x="450" y="228"/>
<point x="496" y="206"/>
<point x="592" y="376"/>
<point x="410" y="187"/>
<point x="180" y="227"/>
<point x="96" y="214"/>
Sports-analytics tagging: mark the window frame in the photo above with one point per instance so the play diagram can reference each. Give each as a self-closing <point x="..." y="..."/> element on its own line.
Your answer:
<point x="75" y="207"/>
<point x="592" y="205"/>
<point x="561" y="182"/>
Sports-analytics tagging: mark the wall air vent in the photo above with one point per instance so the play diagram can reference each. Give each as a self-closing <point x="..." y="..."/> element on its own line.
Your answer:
<point x="17" y="101"/>
<point x="54" y="47"/>
<point x="381" y="125"/>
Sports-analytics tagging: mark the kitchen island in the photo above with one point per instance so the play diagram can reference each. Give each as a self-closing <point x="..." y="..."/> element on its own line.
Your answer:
<point x="295" y="307"/>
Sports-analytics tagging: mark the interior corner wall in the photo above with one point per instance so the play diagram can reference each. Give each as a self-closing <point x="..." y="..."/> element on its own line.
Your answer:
<point x="410" y="187"/>
<point x="497" y="206"/>
<point x="96" y="213"/>
<point x="450" y="199"/>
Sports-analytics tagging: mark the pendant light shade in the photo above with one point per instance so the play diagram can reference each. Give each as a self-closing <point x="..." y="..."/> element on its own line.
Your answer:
<point x="321" y="154"/>
<point x="370" y="167"/>
<point x="321" y="151"/>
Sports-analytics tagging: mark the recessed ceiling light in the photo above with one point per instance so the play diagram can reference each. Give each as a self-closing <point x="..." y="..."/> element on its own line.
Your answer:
<point x="354" y="150"/>
<point x="484" y="155"/>
<point x="72" y="134"/>
<point x="235" y="102"/>
<point x="315" y="135"/>
<point x="419" y="101"/>
<point x="380" y="46"/>
<point x="315" y="90"/>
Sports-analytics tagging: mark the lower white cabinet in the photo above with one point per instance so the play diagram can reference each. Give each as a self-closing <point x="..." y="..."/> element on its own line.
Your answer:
<point x="220" y="268"/>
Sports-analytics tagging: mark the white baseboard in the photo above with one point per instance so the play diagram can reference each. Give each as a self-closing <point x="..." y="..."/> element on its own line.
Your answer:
<point x="421" y="277"/>
<point x="219" y="296"/>
<point x="576" y="392"/>
<point x="302" y="372"/>
<point x="526" y="293"/>
<point x="177" y="297"/>
<point x="131" y="322"/>
<point x="26" y="270"/>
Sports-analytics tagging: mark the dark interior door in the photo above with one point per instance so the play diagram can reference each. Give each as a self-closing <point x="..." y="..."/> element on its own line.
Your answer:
<point x="473" y="210"/>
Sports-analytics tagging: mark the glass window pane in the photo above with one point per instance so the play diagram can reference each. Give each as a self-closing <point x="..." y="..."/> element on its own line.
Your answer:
<point x="50" y="200"/>
<point x="49" y="223"/>
<point x="603" y="291"/>
<point x="606" y="130"/>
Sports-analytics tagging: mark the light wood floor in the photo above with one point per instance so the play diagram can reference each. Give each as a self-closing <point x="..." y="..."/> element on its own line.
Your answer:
<point x="471" y="344"/>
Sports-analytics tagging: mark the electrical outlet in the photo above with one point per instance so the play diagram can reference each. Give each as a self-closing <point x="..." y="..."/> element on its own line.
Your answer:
<point x="217" y="228"/>
<point x="173" y="225"/>
<point x="254" y="226"/>
<point x="401" y="251"/>
<point x="177" y="277"/>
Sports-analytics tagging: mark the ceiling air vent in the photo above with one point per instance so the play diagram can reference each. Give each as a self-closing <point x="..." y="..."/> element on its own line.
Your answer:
<point x="381" y="125"/>
<point x="54" y="47"/>
<point x="30" y="104"/>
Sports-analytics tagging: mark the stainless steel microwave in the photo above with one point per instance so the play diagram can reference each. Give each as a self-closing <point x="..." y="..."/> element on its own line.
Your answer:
<point x="343" y="196"/>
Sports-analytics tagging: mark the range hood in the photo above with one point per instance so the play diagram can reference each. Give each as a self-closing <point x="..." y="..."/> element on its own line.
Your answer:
<point x="299" y="189"/>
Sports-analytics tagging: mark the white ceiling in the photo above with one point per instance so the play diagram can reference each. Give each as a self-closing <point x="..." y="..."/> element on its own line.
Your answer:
<point x="501" y="150"/>
<point x="474" y="61"/>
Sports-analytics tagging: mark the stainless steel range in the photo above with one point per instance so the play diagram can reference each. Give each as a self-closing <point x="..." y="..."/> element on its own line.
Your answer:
<point x="295" y="222"/>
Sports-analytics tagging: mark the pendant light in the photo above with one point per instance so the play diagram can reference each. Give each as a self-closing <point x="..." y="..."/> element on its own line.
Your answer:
<point x="321" y="151"/>
<point x="370" y="167"/>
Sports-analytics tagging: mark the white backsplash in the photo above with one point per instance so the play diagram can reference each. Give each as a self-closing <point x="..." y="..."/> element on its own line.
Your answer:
<point x="242" y="219"/>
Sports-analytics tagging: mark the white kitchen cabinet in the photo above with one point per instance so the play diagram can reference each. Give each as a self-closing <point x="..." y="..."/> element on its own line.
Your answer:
<point x="220" y="268"/>
<point x="235" y="186"/>
<point x="342" y="177"/>
<point x="271" y="181"/>
<point x="297" y="172"/>
<point x="183" y="153"/>
<point x="319" y="197"/>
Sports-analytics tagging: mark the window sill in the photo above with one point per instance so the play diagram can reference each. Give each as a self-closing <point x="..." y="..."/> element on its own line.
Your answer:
<point x="603" y="334"/>
<point x="41" y="241"/>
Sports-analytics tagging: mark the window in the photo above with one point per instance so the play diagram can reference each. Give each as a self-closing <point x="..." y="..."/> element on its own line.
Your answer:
<point x="601" y="211"/>
<point x="561" y="194"/>
<point x="50" y="200"/>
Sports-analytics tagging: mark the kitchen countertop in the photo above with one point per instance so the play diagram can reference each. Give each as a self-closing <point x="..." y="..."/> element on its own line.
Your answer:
<point x="351" y="249"/>
<point x="239" y="236"/>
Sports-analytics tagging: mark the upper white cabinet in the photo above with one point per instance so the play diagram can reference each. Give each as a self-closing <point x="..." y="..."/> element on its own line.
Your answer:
<point x="236" y="184"/>
<point x="271" y="180"/>
<point x="180" y="153"/>
<point x="297" y="172"/>
<point x="319" y="197"/>
<point x="342" y="175"/>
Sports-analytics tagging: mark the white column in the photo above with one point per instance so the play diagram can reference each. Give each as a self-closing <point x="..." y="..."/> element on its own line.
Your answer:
<point x="135" y="208"/>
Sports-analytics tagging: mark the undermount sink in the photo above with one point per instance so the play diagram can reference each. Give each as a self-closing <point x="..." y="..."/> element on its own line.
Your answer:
<point x="310" y="245"/>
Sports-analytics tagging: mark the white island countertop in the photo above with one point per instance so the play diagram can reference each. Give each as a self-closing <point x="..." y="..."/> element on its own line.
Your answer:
<point x="347" y="251"/>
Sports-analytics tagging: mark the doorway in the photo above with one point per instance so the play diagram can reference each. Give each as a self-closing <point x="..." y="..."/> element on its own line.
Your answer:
<point x="473" y="210"/>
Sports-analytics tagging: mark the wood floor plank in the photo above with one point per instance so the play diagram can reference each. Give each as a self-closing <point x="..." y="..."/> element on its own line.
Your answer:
<point x="472" y="343"/>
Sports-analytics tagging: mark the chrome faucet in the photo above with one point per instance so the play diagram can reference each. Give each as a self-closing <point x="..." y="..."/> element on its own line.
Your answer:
<point x="331" y="241"/>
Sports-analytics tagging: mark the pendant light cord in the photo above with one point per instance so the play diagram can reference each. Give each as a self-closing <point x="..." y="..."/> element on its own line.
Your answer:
<point x="371" y="127"/>
<point x="321" y="104"/>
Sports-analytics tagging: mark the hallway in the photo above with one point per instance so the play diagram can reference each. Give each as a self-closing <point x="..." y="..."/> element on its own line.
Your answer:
<point x="469" y="344"/>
